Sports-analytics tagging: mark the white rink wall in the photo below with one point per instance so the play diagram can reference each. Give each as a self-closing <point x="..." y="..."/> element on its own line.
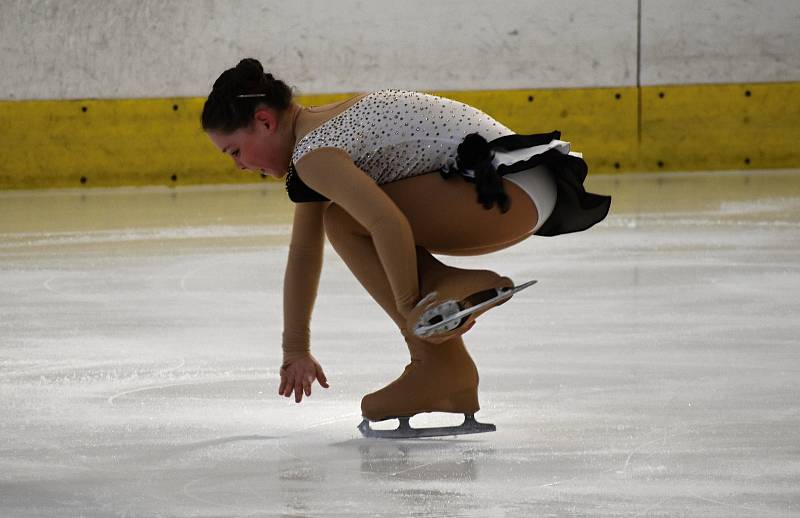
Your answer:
<point x="720" y="41"/>
<point x="54" y="49"/>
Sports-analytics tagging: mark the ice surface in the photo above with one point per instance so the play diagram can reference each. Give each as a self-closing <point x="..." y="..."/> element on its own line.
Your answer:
<point x="654" y="370"/>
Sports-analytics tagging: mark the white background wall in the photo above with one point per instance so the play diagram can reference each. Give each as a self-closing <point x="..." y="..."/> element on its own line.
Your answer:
<point x="720" y="41"/>
<point x="154" y="48"/>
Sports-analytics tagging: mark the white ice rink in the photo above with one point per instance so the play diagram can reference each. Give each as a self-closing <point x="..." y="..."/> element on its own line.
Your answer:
<point x="653" y="371"/>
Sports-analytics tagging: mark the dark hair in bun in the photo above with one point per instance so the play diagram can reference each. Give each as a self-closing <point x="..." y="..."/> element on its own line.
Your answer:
<point x="238" y="92"/>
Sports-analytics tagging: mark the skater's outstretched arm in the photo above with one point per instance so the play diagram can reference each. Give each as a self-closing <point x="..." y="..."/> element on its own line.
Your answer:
<point x="332" y="173"/>
<point x="299" y="369"/>
<point x="301" y="279"/>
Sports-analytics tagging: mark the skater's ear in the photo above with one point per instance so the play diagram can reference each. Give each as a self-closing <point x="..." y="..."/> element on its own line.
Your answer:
<point x="267" y="119"/>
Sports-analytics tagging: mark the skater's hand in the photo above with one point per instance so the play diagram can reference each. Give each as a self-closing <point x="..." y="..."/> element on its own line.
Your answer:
<point x="299" y="375"/>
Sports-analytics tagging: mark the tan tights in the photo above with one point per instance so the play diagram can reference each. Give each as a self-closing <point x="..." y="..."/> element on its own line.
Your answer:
<point x="446" y="219"/>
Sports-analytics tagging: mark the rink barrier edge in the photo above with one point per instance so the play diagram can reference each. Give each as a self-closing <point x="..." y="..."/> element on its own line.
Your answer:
<point x="133" y="142"/>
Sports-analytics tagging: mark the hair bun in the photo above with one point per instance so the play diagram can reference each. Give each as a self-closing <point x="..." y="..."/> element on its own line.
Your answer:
<point x="233" y="100"/>
<point x="250" y="69"/>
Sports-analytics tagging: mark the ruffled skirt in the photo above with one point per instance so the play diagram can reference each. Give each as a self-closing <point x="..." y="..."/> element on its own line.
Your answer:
<point x="485" y="163"/>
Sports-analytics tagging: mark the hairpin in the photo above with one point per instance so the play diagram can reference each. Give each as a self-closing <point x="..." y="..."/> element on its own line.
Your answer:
<point x="242" y="96"/>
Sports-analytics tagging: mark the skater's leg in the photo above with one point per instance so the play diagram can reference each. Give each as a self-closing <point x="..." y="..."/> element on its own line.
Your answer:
<point x="446" y="218"/>
<point x="354" y="244"/>
<point x="440" y="377"/>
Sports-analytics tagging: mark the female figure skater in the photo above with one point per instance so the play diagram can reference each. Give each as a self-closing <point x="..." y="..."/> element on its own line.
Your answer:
<point x="382" y="175"/>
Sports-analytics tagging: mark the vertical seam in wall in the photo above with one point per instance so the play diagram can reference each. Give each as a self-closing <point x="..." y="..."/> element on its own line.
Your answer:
<point x="639" y="71"/>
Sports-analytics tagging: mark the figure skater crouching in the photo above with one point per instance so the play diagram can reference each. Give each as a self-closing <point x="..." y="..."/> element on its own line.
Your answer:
<point x="390" y="178"/>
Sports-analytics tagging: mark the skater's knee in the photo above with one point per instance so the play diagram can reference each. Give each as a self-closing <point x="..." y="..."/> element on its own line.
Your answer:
<point x="333" y="214"/>
<point x="338" y="222"/>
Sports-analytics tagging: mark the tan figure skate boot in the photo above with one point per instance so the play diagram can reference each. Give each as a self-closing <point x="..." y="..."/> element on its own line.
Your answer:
<point x="440" y="378"/>
<point x="455" y="286"/>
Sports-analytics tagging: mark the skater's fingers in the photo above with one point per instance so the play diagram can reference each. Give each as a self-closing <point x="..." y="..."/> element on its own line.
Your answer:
<point x="323" y="380"/>
<point x="307" y="385"/>
<point x="298" y="391"/>
<point x="282" y="385"/>
<point x="287" y="389"/>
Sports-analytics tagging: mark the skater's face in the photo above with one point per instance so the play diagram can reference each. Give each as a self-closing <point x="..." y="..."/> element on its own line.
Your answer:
<point x="265" y="145"/>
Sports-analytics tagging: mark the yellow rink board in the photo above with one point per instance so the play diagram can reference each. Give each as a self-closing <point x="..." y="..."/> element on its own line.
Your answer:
<point x="115" y="142"/>
<point x="713" y="127"/>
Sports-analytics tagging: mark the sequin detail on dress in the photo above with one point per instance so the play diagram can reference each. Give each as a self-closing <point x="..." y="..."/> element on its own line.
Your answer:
<point x="396" y="134"/>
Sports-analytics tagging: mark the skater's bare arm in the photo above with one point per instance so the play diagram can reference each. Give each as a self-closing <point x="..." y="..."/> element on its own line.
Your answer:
<point x="332" y="173"/>
<point x="301" y="279"/>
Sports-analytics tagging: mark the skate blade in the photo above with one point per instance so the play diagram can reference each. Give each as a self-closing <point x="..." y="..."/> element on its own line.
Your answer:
<point x="405" y="431"/>
<point x="443" y="325"/>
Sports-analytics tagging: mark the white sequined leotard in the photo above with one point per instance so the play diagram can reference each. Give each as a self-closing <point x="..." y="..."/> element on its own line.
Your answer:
<point x="396" y="134"/>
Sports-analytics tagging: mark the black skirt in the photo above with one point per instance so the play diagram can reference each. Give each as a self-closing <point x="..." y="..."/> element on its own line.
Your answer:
<point x="575" y="209"/>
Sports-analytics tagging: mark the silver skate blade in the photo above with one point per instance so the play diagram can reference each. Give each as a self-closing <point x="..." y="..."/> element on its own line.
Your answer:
<point x="405" y="431"/>
<point x="423" y="330"/>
